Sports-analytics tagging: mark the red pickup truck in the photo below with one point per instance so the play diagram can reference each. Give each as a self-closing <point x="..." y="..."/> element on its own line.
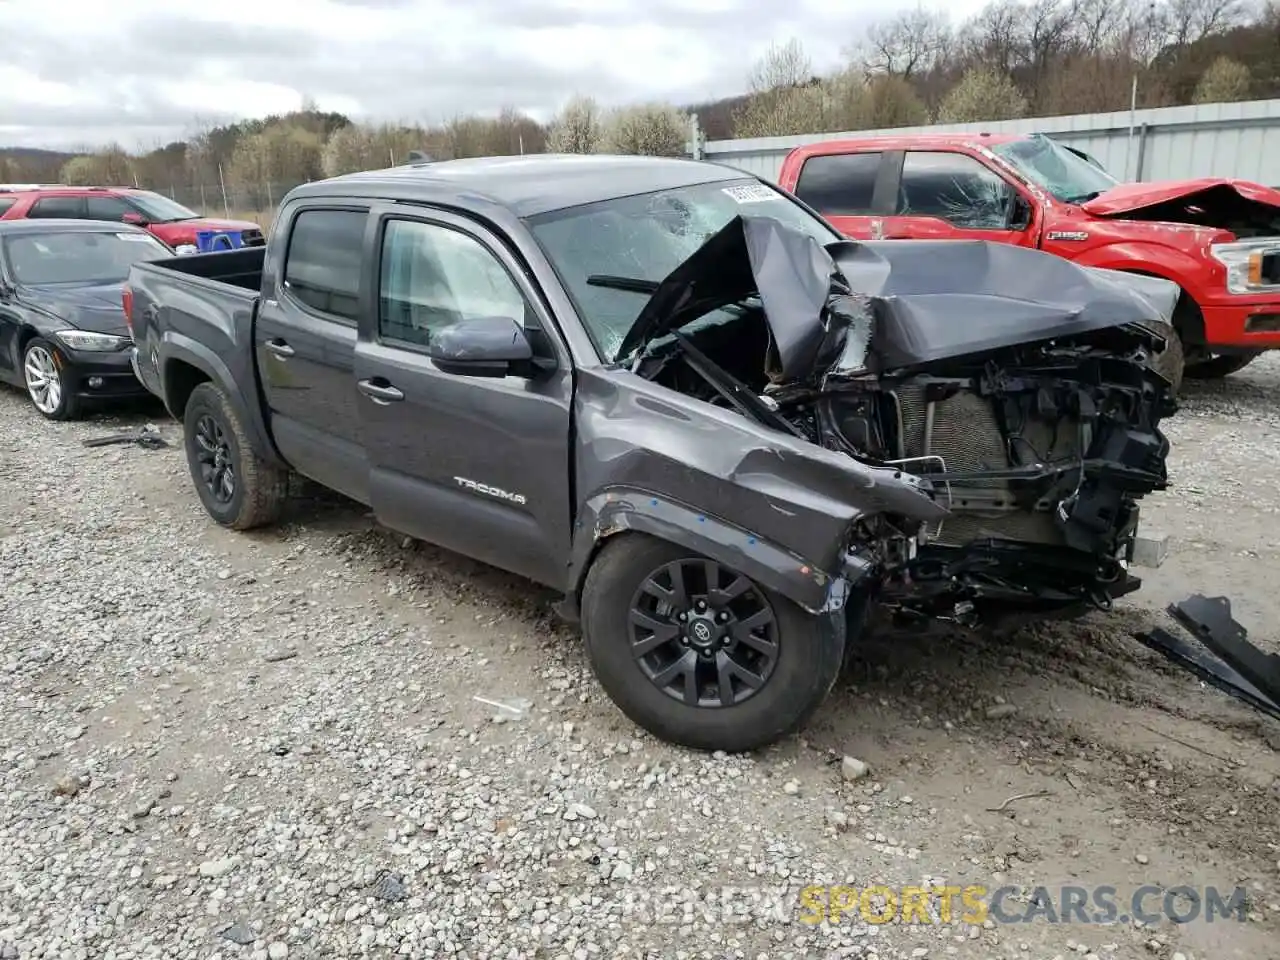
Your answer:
<point x="1218" y="239"/>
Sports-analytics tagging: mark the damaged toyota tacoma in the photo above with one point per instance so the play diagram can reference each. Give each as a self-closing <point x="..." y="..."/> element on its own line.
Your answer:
<point x="678" y="397"/>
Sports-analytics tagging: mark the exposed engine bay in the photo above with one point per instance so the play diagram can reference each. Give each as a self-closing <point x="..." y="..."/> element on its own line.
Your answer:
<point x="1220" y="205"/>
<point x="1014" y="384"/>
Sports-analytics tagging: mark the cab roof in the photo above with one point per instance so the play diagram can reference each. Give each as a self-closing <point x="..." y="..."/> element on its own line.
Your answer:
<point x="902" y="140"/>
<point x="526" y="185"/>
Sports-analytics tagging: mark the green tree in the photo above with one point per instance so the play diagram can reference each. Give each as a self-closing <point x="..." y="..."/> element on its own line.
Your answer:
<point x="1225" y="81"/>
<point x="983" y="93"/>
<point x="652" y="129"/>
<point x="111" y="167"/>
<point x="577" y="128"/>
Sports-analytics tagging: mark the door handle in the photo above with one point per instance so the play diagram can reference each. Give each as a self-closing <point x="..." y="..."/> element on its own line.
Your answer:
<point x="380" y="393"/>
<point x="279" y="348"/>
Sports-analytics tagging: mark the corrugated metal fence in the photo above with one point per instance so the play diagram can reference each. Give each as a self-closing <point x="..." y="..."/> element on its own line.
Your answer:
<point x="1239" y="140"/>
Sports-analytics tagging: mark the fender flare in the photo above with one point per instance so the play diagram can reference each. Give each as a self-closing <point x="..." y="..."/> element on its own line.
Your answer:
<point x="621" y="510"/>
<point x="176" y="346"/>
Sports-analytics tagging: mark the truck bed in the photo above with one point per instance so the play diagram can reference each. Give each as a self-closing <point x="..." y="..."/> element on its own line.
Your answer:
<point x="238" y="268"/>
<point x="203" y="307"/>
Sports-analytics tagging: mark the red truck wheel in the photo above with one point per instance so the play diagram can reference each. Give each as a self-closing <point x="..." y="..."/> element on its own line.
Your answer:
<point x="1215" y="366"/>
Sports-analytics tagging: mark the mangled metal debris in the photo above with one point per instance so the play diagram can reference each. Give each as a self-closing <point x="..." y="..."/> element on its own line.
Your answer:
<point x="1224" y="658"/>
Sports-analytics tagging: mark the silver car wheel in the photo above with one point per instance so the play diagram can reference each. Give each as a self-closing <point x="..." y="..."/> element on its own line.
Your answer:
<point x="44" y="383"/>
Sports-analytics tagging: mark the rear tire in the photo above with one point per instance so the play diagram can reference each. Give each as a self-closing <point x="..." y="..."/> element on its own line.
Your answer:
<point x="238" y="488"/>
<point x="807" y="650"/>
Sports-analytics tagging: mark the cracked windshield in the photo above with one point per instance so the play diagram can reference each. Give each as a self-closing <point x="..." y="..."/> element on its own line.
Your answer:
<point x="644" y="238"/>
<point x="1066" y="175"/>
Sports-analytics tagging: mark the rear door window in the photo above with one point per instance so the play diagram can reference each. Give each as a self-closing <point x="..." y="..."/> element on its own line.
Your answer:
<point x="323" y="264"/>
<point x="58" y="208"/>
<point x="6" y="203"/>
<point x="841" y="184"/>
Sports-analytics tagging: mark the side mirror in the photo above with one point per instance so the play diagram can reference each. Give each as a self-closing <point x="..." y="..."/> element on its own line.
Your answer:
<point x="482" y="347"/>
<point x="137" y="219"/>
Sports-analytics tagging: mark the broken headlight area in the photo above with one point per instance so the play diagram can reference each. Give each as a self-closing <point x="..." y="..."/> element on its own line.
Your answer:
<point x="1035" y="421"/>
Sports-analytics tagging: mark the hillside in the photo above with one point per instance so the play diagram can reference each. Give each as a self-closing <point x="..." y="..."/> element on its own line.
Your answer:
<point x="1015" y="58"/>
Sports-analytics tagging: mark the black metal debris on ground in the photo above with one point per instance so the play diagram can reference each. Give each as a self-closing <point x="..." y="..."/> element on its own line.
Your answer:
<point x="147" y="437"/>
<point x="390" y="888"/>
<point x="1227" y="660"/>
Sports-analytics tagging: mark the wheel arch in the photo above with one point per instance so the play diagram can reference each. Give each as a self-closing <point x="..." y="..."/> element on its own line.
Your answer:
<point x="186" y="363"/>
<point x="1187" y="320"/>
<point x="624" y="512"/>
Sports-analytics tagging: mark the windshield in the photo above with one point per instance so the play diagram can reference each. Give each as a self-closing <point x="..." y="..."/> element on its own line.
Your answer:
<point x="1070" y="178"/>
<point x="644" y="238"/>
<point x="78" y="257"/>
<point x="160" y="209"/>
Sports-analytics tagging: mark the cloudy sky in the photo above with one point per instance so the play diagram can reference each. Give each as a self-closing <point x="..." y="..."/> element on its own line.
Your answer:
<point x="143" y="72"/>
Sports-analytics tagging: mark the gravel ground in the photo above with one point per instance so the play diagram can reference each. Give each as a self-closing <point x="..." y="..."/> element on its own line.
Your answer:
<point x="285" y="744"/>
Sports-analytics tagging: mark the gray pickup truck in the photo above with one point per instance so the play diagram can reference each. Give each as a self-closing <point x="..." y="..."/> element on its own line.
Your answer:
<point x="673" y="393"/>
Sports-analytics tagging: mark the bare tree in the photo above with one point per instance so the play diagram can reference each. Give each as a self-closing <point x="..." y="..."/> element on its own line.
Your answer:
<point x="1089" y="84"/>
<point x="1192" y="20"/>
<point x="785" y="96"/>
<point x="1225" y="81"/>
<point x="994" y="38"/>
<point x="907" y="44"/>
<point x="577" y="129"/>
<point x="783" y="65"/>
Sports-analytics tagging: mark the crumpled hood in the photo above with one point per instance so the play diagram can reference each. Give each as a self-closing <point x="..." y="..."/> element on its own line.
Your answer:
<point x="96" y="307"/>
<point x="921" y="300"/>
<point x="1132" y="197"/>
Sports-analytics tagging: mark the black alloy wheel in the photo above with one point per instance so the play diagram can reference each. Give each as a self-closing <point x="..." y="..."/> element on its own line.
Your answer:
<point x="699" y="654"/>
<point x="213" y="453"/>
<point x="703" y="634"/>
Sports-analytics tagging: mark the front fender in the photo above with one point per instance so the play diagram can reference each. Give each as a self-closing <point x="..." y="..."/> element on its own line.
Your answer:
<point x="1149" y="258"/>
<point x="177" y="347"/>
<point x="620" y="509"/>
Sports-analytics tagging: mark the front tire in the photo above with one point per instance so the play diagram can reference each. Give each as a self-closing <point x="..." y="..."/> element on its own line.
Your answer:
<point x="1218" y="365"/>
<point x="700" y="655"/>
<point x="48" y="387"/>
<point x="238" y="488"/>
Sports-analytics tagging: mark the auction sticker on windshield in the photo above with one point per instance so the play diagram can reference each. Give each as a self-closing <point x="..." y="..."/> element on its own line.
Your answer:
<point x="134" y="237"/>
<point x="750" y="193"/>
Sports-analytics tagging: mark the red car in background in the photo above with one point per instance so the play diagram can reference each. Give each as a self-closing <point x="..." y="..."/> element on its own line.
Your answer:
<point x="165" y="219"/>
<point x="1218" y="239"/>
